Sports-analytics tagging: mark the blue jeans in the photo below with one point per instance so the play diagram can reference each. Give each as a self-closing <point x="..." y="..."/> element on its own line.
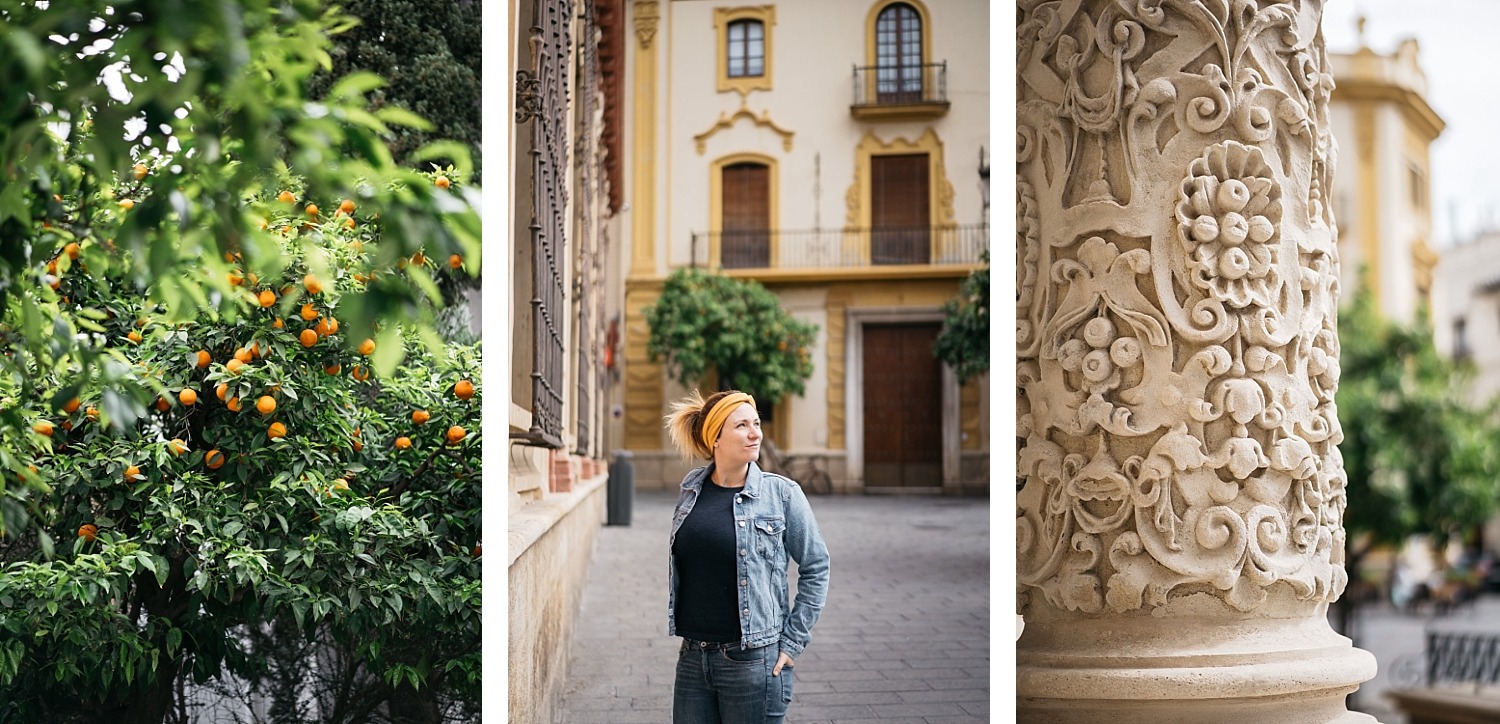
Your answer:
<point x="726" y="684"/>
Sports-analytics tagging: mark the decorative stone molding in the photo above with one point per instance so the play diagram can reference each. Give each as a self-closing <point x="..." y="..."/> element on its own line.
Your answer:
<point x="727" y="121"/>
<point x="647" y="18"/>
<point x="1180" y="518"/>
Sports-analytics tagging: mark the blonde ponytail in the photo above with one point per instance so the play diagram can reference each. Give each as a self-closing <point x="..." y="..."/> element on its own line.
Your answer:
<point x="685" y="423"/>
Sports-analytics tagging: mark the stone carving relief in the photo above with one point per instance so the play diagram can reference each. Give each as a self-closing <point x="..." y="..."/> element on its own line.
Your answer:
<point x="1176" y="295"/>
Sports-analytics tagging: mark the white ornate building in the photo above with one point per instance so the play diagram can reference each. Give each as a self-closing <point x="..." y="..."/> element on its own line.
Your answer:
<point x="836" y="151"/>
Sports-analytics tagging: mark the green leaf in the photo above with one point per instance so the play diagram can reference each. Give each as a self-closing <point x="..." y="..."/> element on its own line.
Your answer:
<point x="354" y="85"/>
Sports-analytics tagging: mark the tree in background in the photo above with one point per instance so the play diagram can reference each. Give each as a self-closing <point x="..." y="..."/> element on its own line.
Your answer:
<point x="282" y="519"/>
<point x="964" y="342"/>
<point x="429" y="55"/>
<point x="177" y="160"/>
<point x="737" y="328"/>
<point x="1419" y="455"/>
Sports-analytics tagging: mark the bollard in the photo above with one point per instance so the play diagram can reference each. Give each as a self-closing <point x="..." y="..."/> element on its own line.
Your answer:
<point x="620" y="489"/>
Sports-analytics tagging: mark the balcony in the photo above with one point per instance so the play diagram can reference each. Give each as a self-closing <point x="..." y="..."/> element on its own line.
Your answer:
<point x="849" y="252"/>
<point x="900" y="92"/>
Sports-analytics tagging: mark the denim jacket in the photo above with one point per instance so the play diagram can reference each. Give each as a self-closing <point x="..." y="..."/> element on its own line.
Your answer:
<point x="772" y="521"/>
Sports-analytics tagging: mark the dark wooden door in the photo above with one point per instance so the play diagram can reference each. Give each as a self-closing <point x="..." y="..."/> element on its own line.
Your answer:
<point x="903" y="408"/>
<point x="745" y="242"/>
<point x="899" y="212"/>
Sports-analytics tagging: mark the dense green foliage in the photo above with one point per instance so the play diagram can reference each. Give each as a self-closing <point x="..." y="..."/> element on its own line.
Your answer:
<point x="1420" y="455"/>
<point x="737" y="328"/>
<point x="964" y="342"/>
<point x="197" y="545"/>
<point x="178" y="164"/>
<point x="173" y="213"/>
<point x="429" y="54"/>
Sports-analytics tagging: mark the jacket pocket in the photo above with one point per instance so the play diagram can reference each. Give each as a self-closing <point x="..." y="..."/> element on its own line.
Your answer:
<point x="769" y="536"/>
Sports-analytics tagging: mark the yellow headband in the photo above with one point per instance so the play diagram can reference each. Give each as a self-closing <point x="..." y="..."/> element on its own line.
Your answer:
<point x="714" y="419"/>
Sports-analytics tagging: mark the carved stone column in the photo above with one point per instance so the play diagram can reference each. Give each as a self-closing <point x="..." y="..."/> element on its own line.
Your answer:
<point x="1180" y="520"/>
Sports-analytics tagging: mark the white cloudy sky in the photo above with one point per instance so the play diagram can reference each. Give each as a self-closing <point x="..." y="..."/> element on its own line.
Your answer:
<point x="1459" y="55"/>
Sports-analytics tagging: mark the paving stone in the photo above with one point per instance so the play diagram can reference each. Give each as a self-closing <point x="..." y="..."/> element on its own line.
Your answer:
<point x="902" y="639"/>
<point x="891" y="711"/>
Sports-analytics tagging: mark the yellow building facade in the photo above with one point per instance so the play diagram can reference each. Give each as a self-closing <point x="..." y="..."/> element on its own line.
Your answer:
<point x="1385" y="127"/>
<point x="836" y="153"/>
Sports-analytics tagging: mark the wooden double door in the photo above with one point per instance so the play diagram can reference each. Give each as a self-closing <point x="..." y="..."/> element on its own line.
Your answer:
<point x="903" y="405"/>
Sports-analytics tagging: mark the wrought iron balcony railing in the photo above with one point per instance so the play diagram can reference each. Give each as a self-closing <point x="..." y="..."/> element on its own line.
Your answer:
<point x="886" y="86"/>
<point x="1463" y="658"/>
<point x="850" y="248"/>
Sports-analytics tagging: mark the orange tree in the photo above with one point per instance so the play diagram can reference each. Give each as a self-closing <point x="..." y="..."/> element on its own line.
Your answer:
<point x="706" y="322"/>
<point x="276" y="481"/>
<point x="145" y="125"/>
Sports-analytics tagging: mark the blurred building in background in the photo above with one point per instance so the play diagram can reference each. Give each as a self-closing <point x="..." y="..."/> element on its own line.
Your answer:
<point x="836" y="152"/>
<point x="1383" y="200"/>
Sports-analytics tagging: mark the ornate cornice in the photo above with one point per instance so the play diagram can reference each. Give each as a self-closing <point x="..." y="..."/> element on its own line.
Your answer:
<point x="727" y="120"/>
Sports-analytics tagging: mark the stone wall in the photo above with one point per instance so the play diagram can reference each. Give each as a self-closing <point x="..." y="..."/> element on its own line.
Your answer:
<point x="551" y="543"/>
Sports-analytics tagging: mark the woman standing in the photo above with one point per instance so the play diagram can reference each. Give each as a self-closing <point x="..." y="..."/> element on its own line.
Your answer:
<point x="733" y="531"/>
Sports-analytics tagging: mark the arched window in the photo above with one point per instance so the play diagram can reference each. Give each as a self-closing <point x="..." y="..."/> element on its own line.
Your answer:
<point x="746" y="49"/>
<point x="898" y="54"/>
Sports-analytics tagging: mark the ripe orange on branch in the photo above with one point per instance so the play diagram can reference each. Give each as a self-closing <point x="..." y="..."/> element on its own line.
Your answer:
<point x="43" y="428"/>
<point x="72" y="405"/>
<point x="203" y="359"/>
<point x="266" y="404"/>
<point x="276" y="430"/>
<point x="456" y="434"/>
<point x="308" y="337"/>
<point x="131" y="473"/>
<point x="286" y="197"/>
<point x="88" y="532"/>
<point x="188" y="397"/>
<point x="403" y="443"/>
<point x="177" y="446"/>
<point x="367" y="347"/>
<point x="214" y="459"/>
<point x="266" y="298"/>
<point x="463" y="389"/>
<point x="312" y="284"/>
<point x="420" y="417"/>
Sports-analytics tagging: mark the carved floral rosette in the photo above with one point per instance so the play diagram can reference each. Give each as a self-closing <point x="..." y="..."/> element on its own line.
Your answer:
<point x="1177" y="288"/>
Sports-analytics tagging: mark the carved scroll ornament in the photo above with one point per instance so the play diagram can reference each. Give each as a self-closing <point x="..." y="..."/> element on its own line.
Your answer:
<point x="1177" y="288"/>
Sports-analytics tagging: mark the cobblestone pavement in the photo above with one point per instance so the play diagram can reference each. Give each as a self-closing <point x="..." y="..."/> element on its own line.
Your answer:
<point x="903" y="639"/>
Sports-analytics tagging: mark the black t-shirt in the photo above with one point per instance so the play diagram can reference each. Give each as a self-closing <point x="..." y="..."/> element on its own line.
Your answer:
<point x="707" y="601"/>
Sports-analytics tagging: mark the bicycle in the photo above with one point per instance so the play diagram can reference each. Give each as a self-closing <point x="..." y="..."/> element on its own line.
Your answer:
<point x="806" y="470"/>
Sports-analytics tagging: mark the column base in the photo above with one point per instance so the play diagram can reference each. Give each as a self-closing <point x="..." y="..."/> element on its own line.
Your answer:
<point x="1153" y="670"/>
